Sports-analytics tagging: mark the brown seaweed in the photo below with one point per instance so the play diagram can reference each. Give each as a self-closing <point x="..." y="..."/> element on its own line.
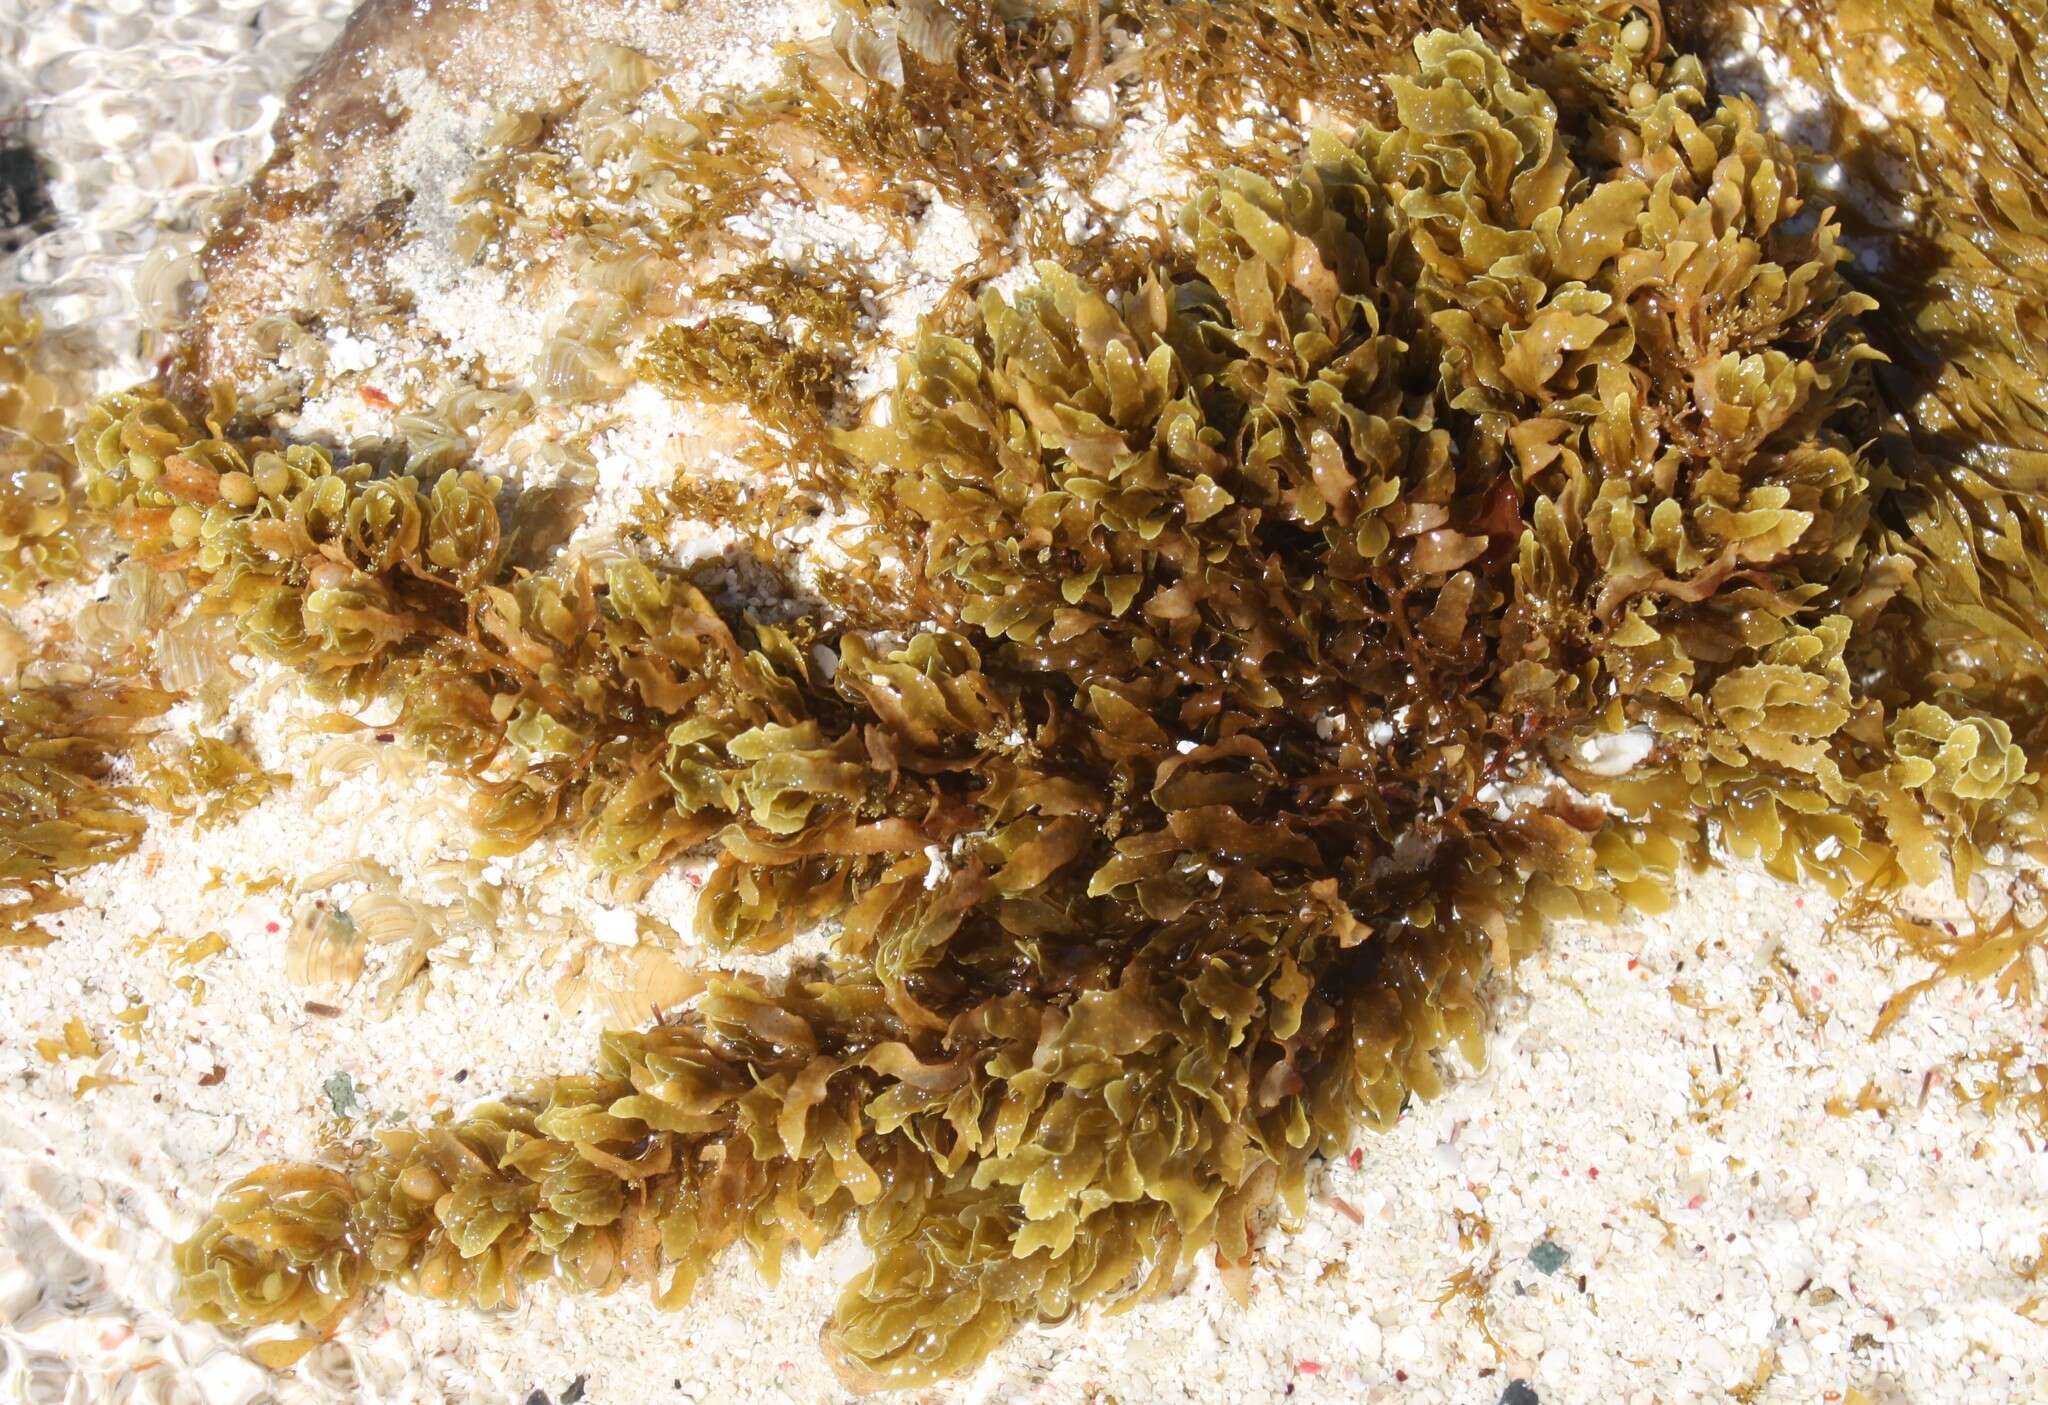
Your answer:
<point x="1278" y="600"/>
<point x="36" y="506"/>
<point x="1173" y="848"/>
<point x="62" y="807"/>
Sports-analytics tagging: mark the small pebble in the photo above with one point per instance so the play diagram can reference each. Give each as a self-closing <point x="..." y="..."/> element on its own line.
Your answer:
<point x="1547" y="1257"/>
<point x="24" y="191"/>
<point x="1518" y="1393"/>
<point x="341" y="1093"/>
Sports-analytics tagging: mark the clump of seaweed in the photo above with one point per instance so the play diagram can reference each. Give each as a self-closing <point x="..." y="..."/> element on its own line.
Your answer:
<point x="35" y="470"/>
<point x="1216" y="60"/>
<point x="546" y="686"/>
<point x="62" y="808"/>
<point x="1936" y="117"/>
<point x="785" y="369"/>
<point x="211" y="780"/>
<point x="968" y="99"/>
<point x="1999" y="946"/>
<point x="1488" y="447"/>
<point x="778" y="352"/>
<point x="967" y="96"/>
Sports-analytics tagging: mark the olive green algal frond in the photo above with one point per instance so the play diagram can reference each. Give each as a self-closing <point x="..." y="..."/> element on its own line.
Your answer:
<point x="1953" y="232"/>
<point x="36" y="505"/>
<point x="785" y="369"/>
<point x="210" y="780"/>
<point x="1221" y="62"/>
<point x="62" y="809"/>
<point x="1172" y="850"/>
